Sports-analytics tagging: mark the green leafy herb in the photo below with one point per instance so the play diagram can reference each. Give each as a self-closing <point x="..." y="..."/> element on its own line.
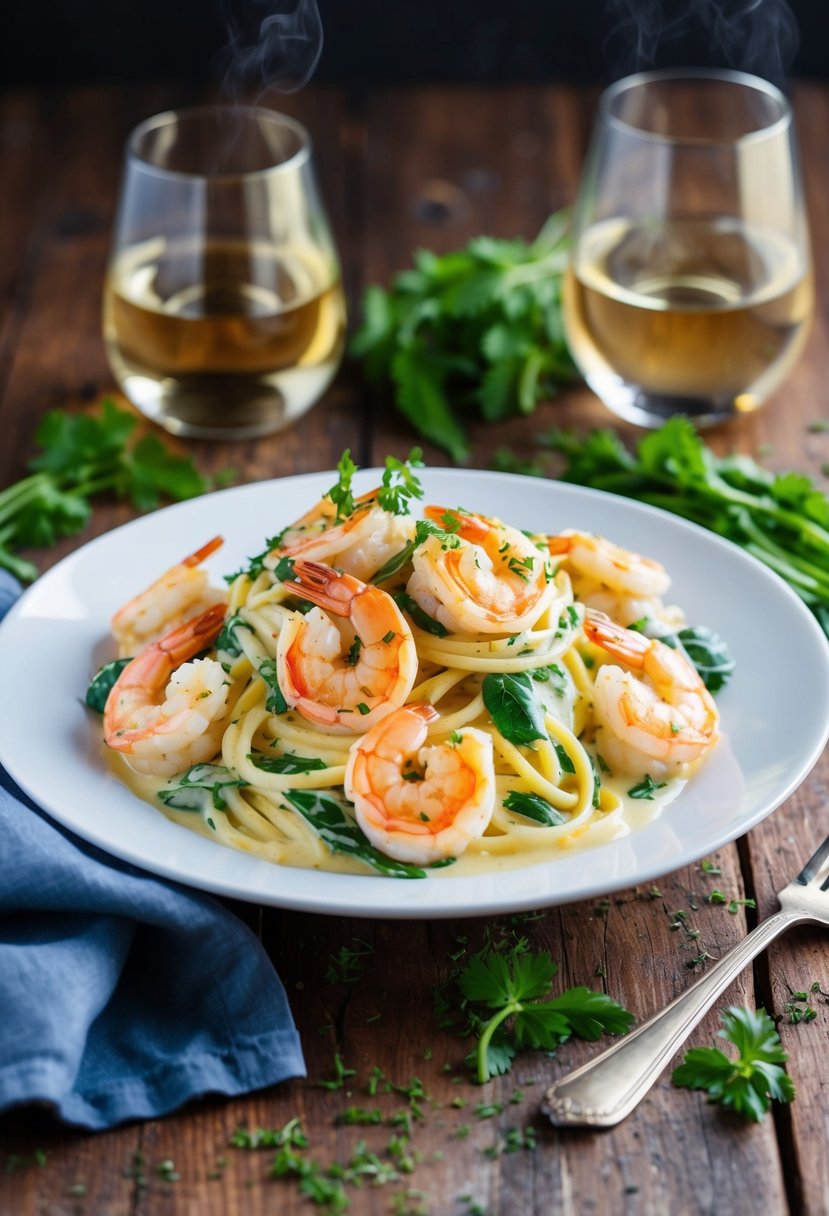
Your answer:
<point x="203" y="786"/>
<point x="276" y="703"/>
<point x="511" y="701"/>
<point x="479" y="330"/>
<point x="256" y="564"/>
<point x="423" y="528"/>
<point x="646" y="788"/>
<point x="512" y="987"/>
<point x="287" y="763"/>
<point x="533" y="806"/>
<point x="422" y="619"/>
<point x="100" y="686"/>
<point x="228" y="639"/>
<point x="707" y="651"/>
<point x="342" y="835"/>
<point x="340" y="494"/>
<point x="82" y="456"/>
<point x="400" y="483"/>
<point x="782" y="519"/>
<point x="749" y="1084"/>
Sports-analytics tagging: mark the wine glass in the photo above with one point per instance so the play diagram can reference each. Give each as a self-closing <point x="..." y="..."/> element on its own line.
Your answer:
<point x="224" y="313"/>
<point x="690" y="287"/>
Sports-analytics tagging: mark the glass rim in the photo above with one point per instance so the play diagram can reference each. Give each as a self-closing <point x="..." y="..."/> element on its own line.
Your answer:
<point x="156" y="121"/>
<point x="745" y="80"/>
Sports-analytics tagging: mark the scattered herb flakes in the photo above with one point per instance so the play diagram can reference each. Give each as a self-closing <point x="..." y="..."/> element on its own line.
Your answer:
<point x="341" y="1074"/>
<point x="346" y="966"/>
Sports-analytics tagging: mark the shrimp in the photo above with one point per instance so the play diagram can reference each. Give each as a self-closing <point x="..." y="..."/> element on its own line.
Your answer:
<point x="360" y="544"/>
<point x="613" y="580"/>
<point x="656" y="717"/>
<point x="162" y="716"/>
<point x="438" y="811"/>
<point x="487" y="578"/>
<point x="180" y="593"/>
<point x="347" y="670"/>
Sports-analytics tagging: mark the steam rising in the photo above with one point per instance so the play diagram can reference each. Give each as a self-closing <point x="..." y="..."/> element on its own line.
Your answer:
<point x="757" y="36"/>
<point x="273" y="44"/>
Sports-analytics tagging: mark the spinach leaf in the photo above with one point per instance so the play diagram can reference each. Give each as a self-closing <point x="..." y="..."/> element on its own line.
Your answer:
<point x="709" y="654"/>
<point x="286" y="763"/>
<point x="228" y="639"/>
<point x="422" y="619"/>
<point x="533" y="806"/>
<point x="511" y="701"/>
<point x="100" y="686"/>
<point x="342" y="835"/>
<point x="276" y="703"/>
<point x="202" y="786"/>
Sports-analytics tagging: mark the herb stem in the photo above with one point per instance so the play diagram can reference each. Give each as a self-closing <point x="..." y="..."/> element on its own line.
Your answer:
<point x="486" y="1037"/>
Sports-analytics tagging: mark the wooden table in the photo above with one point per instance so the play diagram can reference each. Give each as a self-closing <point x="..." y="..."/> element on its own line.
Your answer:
<point x="404" y="169"/>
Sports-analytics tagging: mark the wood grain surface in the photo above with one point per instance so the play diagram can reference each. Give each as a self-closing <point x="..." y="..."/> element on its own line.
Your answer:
<point x="402" y="170"/>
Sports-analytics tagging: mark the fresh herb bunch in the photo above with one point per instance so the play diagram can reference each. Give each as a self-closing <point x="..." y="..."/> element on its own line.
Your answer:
<point x="479" y="329"/>
<point x="81" y="456"/>
<point x="782" y="519"/>
<point x="511" y="986"/>
<point x="748" y="1084"/>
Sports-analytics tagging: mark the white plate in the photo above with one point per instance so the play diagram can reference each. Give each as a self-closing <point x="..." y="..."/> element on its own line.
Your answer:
<point x="775" y="711"/>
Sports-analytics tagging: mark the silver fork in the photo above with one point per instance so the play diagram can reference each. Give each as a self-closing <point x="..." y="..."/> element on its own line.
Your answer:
<point x="605" y="1090"/>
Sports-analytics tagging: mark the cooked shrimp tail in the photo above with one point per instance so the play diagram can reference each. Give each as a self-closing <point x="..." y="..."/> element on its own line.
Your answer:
<point x="179" y="594"/>
<point x="416" y="802"/>
<point x="163" y="712"/>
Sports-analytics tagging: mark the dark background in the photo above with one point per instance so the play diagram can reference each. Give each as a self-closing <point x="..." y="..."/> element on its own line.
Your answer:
<point x="59" y="42"/>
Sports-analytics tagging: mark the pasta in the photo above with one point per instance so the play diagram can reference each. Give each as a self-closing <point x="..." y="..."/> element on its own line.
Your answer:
<point x="385" y="694"/>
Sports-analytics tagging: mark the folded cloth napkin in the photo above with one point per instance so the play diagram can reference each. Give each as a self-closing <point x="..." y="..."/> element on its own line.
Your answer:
<point x="121" y="995"/>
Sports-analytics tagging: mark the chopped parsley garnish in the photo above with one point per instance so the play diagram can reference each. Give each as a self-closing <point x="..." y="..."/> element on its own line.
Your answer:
<point x="400" y="484"/>
<point x="340" y="493"/>
<point x="646" y="788"/>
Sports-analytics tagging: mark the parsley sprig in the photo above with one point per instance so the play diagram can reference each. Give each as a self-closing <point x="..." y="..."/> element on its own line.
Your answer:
<point x="512" y="987"/>
<point x="82" y="456"/>
<point x="476" y="330"/>
<point x="749" y="1084"/>
<point x="399" y="484"/>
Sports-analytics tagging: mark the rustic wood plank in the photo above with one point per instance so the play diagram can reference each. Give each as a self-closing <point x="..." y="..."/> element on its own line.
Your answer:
<point x="776" y="850"/>
<point x="675" y="1152"/>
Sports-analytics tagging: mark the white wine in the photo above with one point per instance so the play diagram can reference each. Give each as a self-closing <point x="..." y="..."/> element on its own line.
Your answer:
<point x="703" y="317"/>
<point x="222" y="337"/>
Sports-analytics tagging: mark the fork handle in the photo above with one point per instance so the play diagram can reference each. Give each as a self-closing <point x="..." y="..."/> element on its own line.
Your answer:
<point x="605" y="1090"/>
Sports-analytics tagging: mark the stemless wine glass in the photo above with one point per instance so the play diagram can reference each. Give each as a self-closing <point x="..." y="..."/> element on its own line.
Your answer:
<point x="690" y="287"/>
<point x="224" y="314"/>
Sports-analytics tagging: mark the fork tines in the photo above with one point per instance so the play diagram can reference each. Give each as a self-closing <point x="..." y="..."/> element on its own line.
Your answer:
<point x="814" y="865"/>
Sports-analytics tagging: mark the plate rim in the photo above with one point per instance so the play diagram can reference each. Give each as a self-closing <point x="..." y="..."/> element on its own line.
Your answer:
<point x="374" y="885"/>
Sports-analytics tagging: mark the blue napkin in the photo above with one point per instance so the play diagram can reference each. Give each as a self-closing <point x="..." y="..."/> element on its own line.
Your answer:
<point x="122" y="995"/>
